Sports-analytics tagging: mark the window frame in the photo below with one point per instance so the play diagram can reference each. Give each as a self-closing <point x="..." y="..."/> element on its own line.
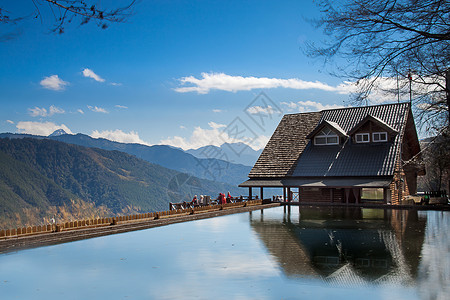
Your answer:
<point x="362" y="135"/>
<point x="326" y="136"/>
<point x="379" y="133"/>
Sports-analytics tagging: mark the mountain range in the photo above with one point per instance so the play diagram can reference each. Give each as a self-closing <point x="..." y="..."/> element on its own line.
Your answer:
<point x="41" y="178"/>
<point x="211" y="167"/>
<point x="236" y="153"/>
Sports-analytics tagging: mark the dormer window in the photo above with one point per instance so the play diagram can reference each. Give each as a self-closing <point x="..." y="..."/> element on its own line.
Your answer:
<point x="379" y="136"/>
<point x="326" y="137"/>
<point x="362" y="137"/>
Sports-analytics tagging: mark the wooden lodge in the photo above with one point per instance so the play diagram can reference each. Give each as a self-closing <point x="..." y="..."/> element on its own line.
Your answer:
<point x="350" y="155"/>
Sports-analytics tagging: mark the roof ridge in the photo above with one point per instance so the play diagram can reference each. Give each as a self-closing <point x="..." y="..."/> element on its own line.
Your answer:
<point x="366" y="106"/>
<point x="303" y="113"/>
<point x="349" y="107"/>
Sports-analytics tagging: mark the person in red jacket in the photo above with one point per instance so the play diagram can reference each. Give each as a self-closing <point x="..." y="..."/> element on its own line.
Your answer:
<point x="195" y="200"/>
<point x="229" y="197"/>
<point x="222" y="199"/>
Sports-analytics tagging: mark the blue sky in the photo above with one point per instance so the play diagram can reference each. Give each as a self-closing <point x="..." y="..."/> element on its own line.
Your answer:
<point x="185" y="73"/>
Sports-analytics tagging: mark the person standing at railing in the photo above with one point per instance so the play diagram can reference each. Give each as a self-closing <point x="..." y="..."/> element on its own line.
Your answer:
<point x="229" y="197"/>
<point x="222" y="199"/>
<point x="195" y="200"/>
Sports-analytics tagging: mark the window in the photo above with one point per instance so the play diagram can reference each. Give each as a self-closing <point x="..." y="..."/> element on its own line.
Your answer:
<point x="362" y="137"/>
<point x="379" y="136"/>
<point x="372" y="194"/>
<point x="326" y="137"/>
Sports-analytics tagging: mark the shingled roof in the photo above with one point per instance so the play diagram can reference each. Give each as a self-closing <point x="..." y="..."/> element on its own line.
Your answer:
<point x="281" y="153"/>
<point x="289" y="153"/>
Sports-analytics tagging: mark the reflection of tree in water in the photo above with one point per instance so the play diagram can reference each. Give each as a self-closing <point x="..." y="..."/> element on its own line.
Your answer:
<point x="350" y="246"/>
<point x="434" y="269"/>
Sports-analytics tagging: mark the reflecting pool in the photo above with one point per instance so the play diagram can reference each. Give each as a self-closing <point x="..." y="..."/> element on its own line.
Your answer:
<point x="276" y="253"/>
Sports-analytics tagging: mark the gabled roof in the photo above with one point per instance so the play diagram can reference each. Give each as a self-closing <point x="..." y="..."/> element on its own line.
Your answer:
<point x="290" y="154"/>
<point x="332" y="125"/>
<point x="285" y="146"/>
<point x="375" y="120"/>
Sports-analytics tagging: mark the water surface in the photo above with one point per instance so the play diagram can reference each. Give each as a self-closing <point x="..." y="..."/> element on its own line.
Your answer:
<point x="277" y="253"/>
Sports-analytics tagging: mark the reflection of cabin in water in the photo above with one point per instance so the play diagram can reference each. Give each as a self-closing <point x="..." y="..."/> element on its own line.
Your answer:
<point x="345" y="245"/>
<point x="347" y="155"/>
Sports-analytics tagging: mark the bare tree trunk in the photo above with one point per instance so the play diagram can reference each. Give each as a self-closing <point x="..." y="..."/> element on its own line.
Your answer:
<point x="447" y="88"/>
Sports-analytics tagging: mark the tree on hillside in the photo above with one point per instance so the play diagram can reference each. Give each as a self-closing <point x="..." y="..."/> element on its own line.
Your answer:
<point x="401" y="47"/>
<point x="63" y="12"/>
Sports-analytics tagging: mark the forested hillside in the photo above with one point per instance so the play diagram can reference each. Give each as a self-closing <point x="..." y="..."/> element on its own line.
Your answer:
<point x="40" y="179"/>
<point x="212" y="166"/>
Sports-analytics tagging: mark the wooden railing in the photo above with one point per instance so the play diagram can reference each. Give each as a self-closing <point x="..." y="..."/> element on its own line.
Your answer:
<point x="206" y="202"/>
<point x="92" y="223"/>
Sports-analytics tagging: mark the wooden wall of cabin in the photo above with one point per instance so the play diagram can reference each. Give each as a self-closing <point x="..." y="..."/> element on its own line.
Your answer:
<point x="322" y="195"/>
<point x="370" y="127"/>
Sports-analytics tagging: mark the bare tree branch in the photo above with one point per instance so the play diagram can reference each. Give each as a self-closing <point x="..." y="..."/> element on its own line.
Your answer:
<point x="391" y="39"/>
<point x="66" y="11"/>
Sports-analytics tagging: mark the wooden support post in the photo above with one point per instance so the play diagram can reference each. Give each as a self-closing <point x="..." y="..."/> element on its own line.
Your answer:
<point x="289" y="194"/>
<point x="261" y="193"/>
<point x="284" y="193"/>
<point x="249" y="193"/>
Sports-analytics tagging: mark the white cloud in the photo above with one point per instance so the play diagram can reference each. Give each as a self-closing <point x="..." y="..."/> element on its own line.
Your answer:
<point x="115" y="84"/>
<point x="224" y="82"/>
<point x="254" y="110"/>
<point x="382" y="90"/>
<point x="182" y="127"/>
<point x="260" y="142"/>
<point x="10" y="122"/>
<point x="41" y="128"/>
<point x="97" y="109"/>
<point x="214" y="125"/>
<point x="55" y="110"/>
<point x="42" y="112"/>
<point x="89" y="73"/>
<point x="215" y="136"/>
<point x="80" y="111"/>
<point x="37" y="112"/>
<point x="119" y="136"/>
<point x="307" y="106"/>
<point x="217" y="110"/>
<point x="388" y="89"/>
<point x="121" y="106"/>
<point x="54" y="83"/>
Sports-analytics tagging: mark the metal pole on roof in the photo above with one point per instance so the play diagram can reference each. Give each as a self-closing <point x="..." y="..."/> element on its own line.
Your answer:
<point x="410" y="86"/>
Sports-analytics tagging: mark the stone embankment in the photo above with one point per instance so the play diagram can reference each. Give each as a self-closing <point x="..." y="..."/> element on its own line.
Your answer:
<point x="36" y="236"/>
